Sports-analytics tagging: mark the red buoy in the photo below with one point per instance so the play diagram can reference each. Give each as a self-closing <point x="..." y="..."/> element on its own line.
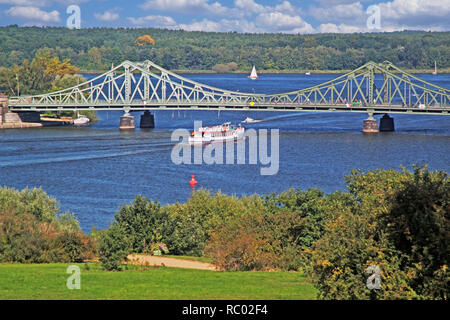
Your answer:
<point x="193" y="182"/>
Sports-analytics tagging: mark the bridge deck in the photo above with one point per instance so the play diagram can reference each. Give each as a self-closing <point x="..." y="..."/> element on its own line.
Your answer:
<point x="139" y="106"/>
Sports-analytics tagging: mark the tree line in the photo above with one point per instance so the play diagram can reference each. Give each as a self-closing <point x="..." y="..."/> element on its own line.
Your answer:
<point x="96" y="49"/>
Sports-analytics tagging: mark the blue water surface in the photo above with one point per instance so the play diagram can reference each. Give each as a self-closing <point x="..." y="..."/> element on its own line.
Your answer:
<point x="93" y="170"/>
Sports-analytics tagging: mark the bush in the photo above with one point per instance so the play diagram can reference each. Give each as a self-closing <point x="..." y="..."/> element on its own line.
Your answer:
<point x="32" y="201"/>
<point x="31" y="231"/>
<point x="114" y="246"/>
<point x="191" y="223"/>
<point x="239" y="245"/>
<point x="399" y="221"/>
<point x="273" y="236"/>
<point x="76" y="247"/>
<point x="418" y="225"/>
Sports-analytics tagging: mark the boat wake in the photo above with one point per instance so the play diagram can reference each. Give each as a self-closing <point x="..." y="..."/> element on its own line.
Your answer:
<point x="84" y="156"/>
<point x="276" y="118"/>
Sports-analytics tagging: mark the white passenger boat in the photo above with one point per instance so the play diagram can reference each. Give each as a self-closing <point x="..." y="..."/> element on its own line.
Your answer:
<point x="220" y="133"/>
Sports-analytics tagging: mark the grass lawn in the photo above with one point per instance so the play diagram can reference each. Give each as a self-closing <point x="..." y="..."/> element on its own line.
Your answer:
<point x="48" y="281"/>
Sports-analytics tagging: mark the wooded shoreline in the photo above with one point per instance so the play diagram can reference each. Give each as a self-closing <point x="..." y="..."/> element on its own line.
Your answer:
<point x="98" y="49"/>
<point x="184" y="71"/>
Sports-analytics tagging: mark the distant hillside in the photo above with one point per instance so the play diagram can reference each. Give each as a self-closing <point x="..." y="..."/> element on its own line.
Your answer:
<point x="98" y="48"/>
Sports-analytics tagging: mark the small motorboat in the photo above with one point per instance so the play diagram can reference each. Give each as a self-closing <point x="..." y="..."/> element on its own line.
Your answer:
<point x="81" y="120"/>
<point x="307" y="73"/>
<point x="220" y="133"/>
<point x="250" y="120"/>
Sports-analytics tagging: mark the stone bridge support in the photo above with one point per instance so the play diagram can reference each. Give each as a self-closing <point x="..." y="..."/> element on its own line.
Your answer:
<point x="127" y="121"/>
<point x="3" y="108"/>
<point x="370" y="125"/>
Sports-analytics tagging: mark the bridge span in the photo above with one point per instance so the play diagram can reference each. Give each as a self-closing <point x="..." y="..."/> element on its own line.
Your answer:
<point x="374" y="88"/>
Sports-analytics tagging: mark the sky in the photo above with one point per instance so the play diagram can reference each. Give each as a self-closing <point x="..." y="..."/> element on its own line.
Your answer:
<point x="243" y="16"/>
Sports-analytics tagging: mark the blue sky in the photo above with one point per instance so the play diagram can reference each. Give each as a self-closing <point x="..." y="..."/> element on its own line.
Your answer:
<point x="250" y="16"/>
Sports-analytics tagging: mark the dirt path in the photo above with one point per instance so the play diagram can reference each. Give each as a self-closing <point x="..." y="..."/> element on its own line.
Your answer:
<point x="169" y="262"/>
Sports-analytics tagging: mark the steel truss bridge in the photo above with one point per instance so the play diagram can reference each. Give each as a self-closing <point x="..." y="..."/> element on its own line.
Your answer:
<point x="378" y="88"/>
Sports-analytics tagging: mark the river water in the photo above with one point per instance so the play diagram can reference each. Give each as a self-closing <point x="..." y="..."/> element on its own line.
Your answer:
<point x="93" y="170"/>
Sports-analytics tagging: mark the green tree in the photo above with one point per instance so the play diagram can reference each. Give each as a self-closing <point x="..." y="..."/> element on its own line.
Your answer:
<point x="397" y="221"/>
<point x="134" y="230"/>
<point x="418" y="225"/>
<point x="33" y="231"/>
<point x="113" y="248"/>
<point x="95" y="56"/>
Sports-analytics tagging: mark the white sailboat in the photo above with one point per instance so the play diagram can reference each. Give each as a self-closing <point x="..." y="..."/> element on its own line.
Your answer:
<point x="435" y="68"/>
<point x="253" y="75"/>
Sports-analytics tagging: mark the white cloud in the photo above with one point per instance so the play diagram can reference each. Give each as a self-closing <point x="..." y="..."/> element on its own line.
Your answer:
<point x="404" y="8"/>
<point x="338" y="2"/>
<point x="186" y="6"/>
<point x="224" y="25"/>
<point x="250" y="6"/>
<point x="40" y="3"/>
<point x="70" y="2"/>
<point x="415" y="12"/>
<point x="248" y="17"/>
<point x="35" y="3"/>
<point x="107" y="16"/>
<point x="396" y="15"/>
<point x="154" y="21"/>
<point x="280" y="22"/>
<point x="204" y="25"/>
<point x="287" y="7"/>
<point x="341" y="12"/>
<point x="342" y="28"/>
<point x="33" y="14"/>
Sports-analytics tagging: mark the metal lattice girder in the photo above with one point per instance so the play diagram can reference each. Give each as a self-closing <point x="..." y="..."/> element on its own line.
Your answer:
<point x="146" y="85"/>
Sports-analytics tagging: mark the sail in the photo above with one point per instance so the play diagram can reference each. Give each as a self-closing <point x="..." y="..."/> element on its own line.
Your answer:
<point x="253" y="75"/>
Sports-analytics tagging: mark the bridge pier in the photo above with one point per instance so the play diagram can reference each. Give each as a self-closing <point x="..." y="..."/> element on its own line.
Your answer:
<point x="147" y="120"/>
<point x="126" y="121"/>
<point x="3" y="108"/>
<point x="387" y="123"/>
<point x="370" y="124"/>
